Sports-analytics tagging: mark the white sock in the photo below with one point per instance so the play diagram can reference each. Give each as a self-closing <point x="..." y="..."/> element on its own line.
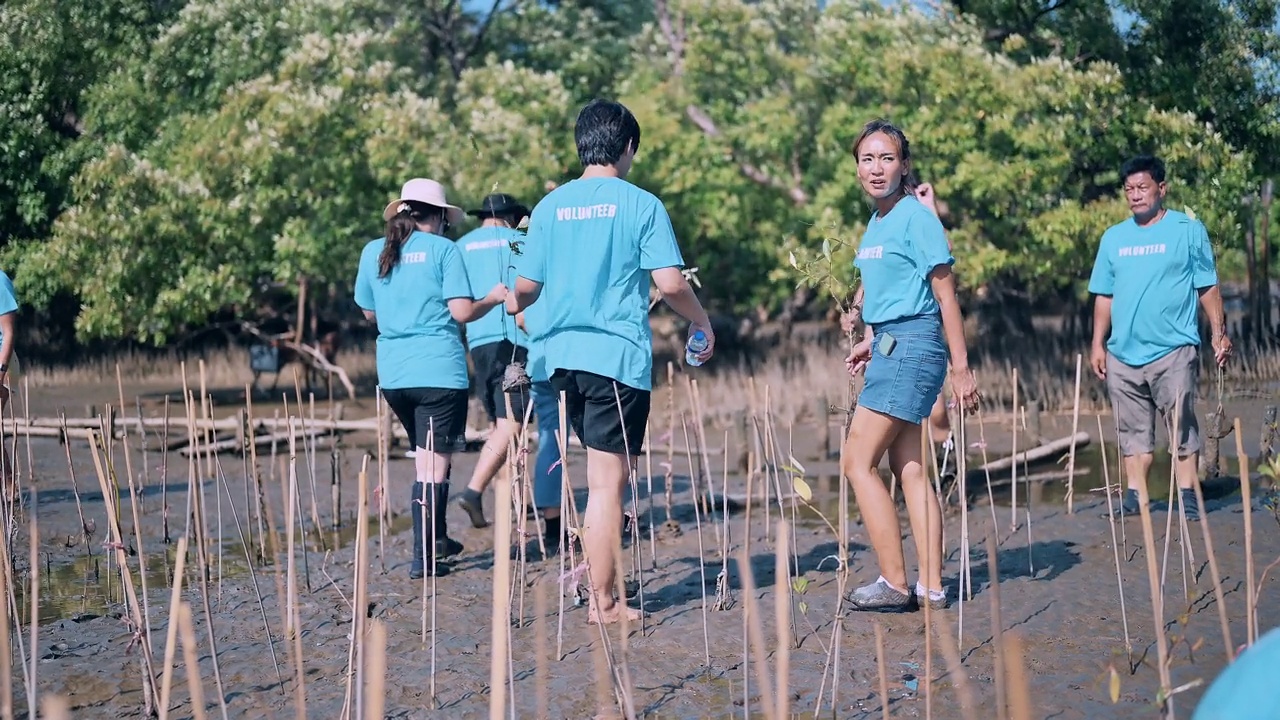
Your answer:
<point x="895" y="587"/>
<point x="933" y="594"/>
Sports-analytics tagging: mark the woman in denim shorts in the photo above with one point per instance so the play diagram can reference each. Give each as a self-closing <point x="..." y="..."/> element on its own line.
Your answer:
<point x="914" y="324"/>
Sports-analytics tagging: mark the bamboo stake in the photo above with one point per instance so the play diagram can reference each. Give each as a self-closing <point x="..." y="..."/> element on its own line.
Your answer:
<point x="1157" y="597"/>
<point x="500" y="621"/>
<point x="781" y="618"/>
<point x="757" y="636"/>
<point x="34" y="598"/>
<point x="376" y="671"/>
<point x="171" y="637"/>
<point x="1019" y="691"/>
<point x="55" y="707"/>
<point x="75" y="491"/>
<point x="191" y="660"/>
<point x="6" y="651"/>
<point x="1115" y="546"/>
<point x="997" y="627"/>
<point x="1246" y="501"/>
<point x="542" y="674"/>
<point x="884" y="676"/>
<point x="1013" y="504"/>
<point x="702" y="564"/>
<point x="292" y="628"/>
<point x="648" y="475"/>
<point x="361" y="590"/>
<point x="1075" y="427"/>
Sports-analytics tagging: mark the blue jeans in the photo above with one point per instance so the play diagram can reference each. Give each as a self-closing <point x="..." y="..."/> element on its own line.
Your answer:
<point x="547" y="471"/>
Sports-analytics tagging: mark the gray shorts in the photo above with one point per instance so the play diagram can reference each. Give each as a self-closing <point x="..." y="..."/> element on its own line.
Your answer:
<point x="1164" y="384"/>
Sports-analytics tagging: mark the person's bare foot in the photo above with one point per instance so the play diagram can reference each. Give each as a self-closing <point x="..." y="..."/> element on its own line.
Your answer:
<point x="611" y="614"/>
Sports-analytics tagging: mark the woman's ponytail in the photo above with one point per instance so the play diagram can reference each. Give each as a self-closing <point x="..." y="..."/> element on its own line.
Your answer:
<point x="400" y="227"/>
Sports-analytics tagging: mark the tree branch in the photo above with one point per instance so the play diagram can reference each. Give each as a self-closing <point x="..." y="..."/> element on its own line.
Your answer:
<point x="675" y="37"/>
<point x="1029" y="24"/>
<point x="479" y="38"/>
<point x="708" y="126"/>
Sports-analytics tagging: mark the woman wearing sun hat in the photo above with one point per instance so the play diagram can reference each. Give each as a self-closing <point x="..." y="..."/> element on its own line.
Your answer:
<point x="413" y="284"/>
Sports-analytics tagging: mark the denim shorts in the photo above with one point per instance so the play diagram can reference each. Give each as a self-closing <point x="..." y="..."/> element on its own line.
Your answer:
<point x="905" y="383"/>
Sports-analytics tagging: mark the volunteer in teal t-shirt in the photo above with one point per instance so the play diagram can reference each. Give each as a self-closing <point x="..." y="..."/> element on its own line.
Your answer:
<point x="914" y="326"/>
<point x="495" y="340"/>
<point x="413" y="284"/>
<point x="8" y="322"/>
<point x="1150" y="274"/>
<point x="593" y="244"/>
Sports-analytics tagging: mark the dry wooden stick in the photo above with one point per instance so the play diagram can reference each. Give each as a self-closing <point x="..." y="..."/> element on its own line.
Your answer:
<point x="1013" y="504"/>
<point x="34" y="598"/>
<point x="191" y="660"/>
<point x="648" y="475"/>
<point x="1228" y="646"/>
<point x="171" y="638"/>
<point x="126" y="580"/>
<point x="1115" y="547"/>
<point x="997" y="626"/>
<point x="292" y="629"/>
<point x="500" y="620"/>
<point x="884" y="675"/>
<point x="1075" y="428"/>
<point x="756" y="633"/>
<point x="951" y="654"/>
<point x="361" y="604"/>
<point x="6" y="651"/>
<point x="782" y="617"/>
<point x="1246" y="501"/>
<point x="542" y="673"/>
<point x="376" y="671"/>
<point x="1019" y="690"/>
<point x="702" y="563"/>
<point x="55" y="707"/>
<point x="1157" y="597"/>
<point x="75" y="491"/>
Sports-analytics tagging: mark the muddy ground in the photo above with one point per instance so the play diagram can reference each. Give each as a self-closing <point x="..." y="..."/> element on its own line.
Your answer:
<point x="1057" y="587"/>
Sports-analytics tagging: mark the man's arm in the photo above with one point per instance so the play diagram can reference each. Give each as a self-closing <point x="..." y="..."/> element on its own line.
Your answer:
<point x="1211" y="301"/>
<point x="527" y="293"/>
<point x="8" y="326"/>
<point x="681" y="298"/>
<point x="1101" y="330"/>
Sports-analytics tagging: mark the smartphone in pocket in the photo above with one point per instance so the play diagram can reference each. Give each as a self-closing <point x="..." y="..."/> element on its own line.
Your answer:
<point x="887" y="344"/>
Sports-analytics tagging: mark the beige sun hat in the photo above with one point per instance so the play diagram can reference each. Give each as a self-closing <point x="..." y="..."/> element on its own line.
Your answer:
<point x="427" y="191"/>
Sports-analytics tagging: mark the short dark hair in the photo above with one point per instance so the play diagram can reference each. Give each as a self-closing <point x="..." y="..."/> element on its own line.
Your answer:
<point x="602" y="132"/>
<point x="1149" y="164"/>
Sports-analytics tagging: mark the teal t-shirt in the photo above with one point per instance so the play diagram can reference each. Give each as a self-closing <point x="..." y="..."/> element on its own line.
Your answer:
<point x="895" y="257"/>
<point x="486" y="252"/>
<point x="1247" y="688"/>
<point x="419" y="342"/>
<point x="1152" y="275"/>
<point x="592" y="243"/>
<point x="535" y="323"/>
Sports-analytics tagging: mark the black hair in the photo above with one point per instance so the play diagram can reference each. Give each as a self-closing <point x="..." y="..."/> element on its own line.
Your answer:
<point x="401" y="226"/>
<point x="880" y="125"/>
<point x="602" y="132"/>
<point x="1149" y="164"/>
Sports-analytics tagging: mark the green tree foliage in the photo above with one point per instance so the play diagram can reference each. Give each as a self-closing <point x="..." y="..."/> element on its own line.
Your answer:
<point x="248" y="141"/>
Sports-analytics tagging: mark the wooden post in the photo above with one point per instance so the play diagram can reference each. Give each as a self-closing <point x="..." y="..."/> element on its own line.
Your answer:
<point x="1251" y="268"/>
<point x="388" y="440"/>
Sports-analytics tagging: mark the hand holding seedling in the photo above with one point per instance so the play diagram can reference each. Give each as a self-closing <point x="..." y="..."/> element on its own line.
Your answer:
<point x="498" y="294"/>
<point x="859" y="356"/>
<point x="924" y="193"/>
<point x="964" y="387"/>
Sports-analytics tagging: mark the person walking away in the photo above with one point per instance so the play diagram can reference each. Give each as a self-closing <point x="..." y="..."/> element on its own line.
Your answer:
<point x="913" y="321"/>
<point x="547" y="475"/>
<point x="495" y="340"/>
<point x="593" y="244"/>
<point x="8" y="325"/>
<point x="413" y="284"/>
<point x="1150" y="273"/>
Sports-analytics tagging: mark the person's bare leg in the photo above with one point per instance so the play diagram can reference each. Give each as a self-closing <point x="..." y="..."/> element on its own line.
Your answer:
<point x="922" y="504"/>
<point x="1136" y="469"/>
<point x="1186" y="470"/>
<point x="869" y="437"/>
<point x="492" y="455"/>
<point x="939" y="420"/>
<point x="607" y="475"/>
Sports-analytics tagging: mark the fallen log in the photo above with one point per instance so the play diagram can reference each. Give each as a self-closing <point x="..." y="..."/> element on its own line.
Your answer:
<point x="1036" y="454"/>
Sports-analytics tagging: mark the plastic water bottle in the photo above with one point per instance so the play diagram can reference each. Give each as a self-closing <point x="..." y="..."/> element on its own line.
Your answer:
<point x="697" y="343"/>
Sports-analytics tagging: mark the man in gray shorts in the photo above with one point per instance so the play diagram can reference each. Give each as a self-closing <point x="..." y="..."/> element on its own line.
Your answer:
<point x="1150" y="274"/>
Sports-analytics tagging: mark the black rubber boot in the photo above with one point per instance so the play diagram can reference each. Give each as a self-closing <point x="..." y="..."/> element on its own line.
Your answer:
<point x="446" y="546"/>
<point x="416" y="510"/>
<point x="470" y="501"/>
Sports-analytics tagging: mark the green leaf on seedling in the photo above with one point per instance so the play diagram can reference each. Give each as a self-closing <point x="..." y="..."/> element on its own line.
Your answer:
<point x="796" y="463"/>
<point x="800" y="584"/>
<point x="1115" y="685"/>
<point x="802" y="488"/>
<point x="804" y="608"/>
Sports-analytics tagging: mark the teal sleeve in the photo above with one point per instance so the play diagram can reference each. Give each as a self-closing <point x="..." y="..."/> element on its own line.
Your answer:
<point x="1204" y="273"/>
<point x="929" y="241"/>
<point x="453" y="274"/>
<point x="1102" y="280"/>
<point x="658" y="247"/>
<point x="533" y="257"/>
<point x="364" y="284"/>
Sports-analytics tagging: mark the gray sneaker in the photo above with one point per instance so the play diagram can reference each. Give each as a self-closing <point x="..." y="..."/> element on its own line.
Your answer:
<point x="880" y="596"/>
<point x="937" y="599"/>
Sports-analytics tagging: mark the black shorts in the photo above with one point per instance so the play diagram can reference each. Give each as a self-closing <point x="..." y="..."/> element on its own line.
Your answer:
<point x="491" y="360"/>
<point x="605" y="414"/>
<point x="423" y="410"/>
